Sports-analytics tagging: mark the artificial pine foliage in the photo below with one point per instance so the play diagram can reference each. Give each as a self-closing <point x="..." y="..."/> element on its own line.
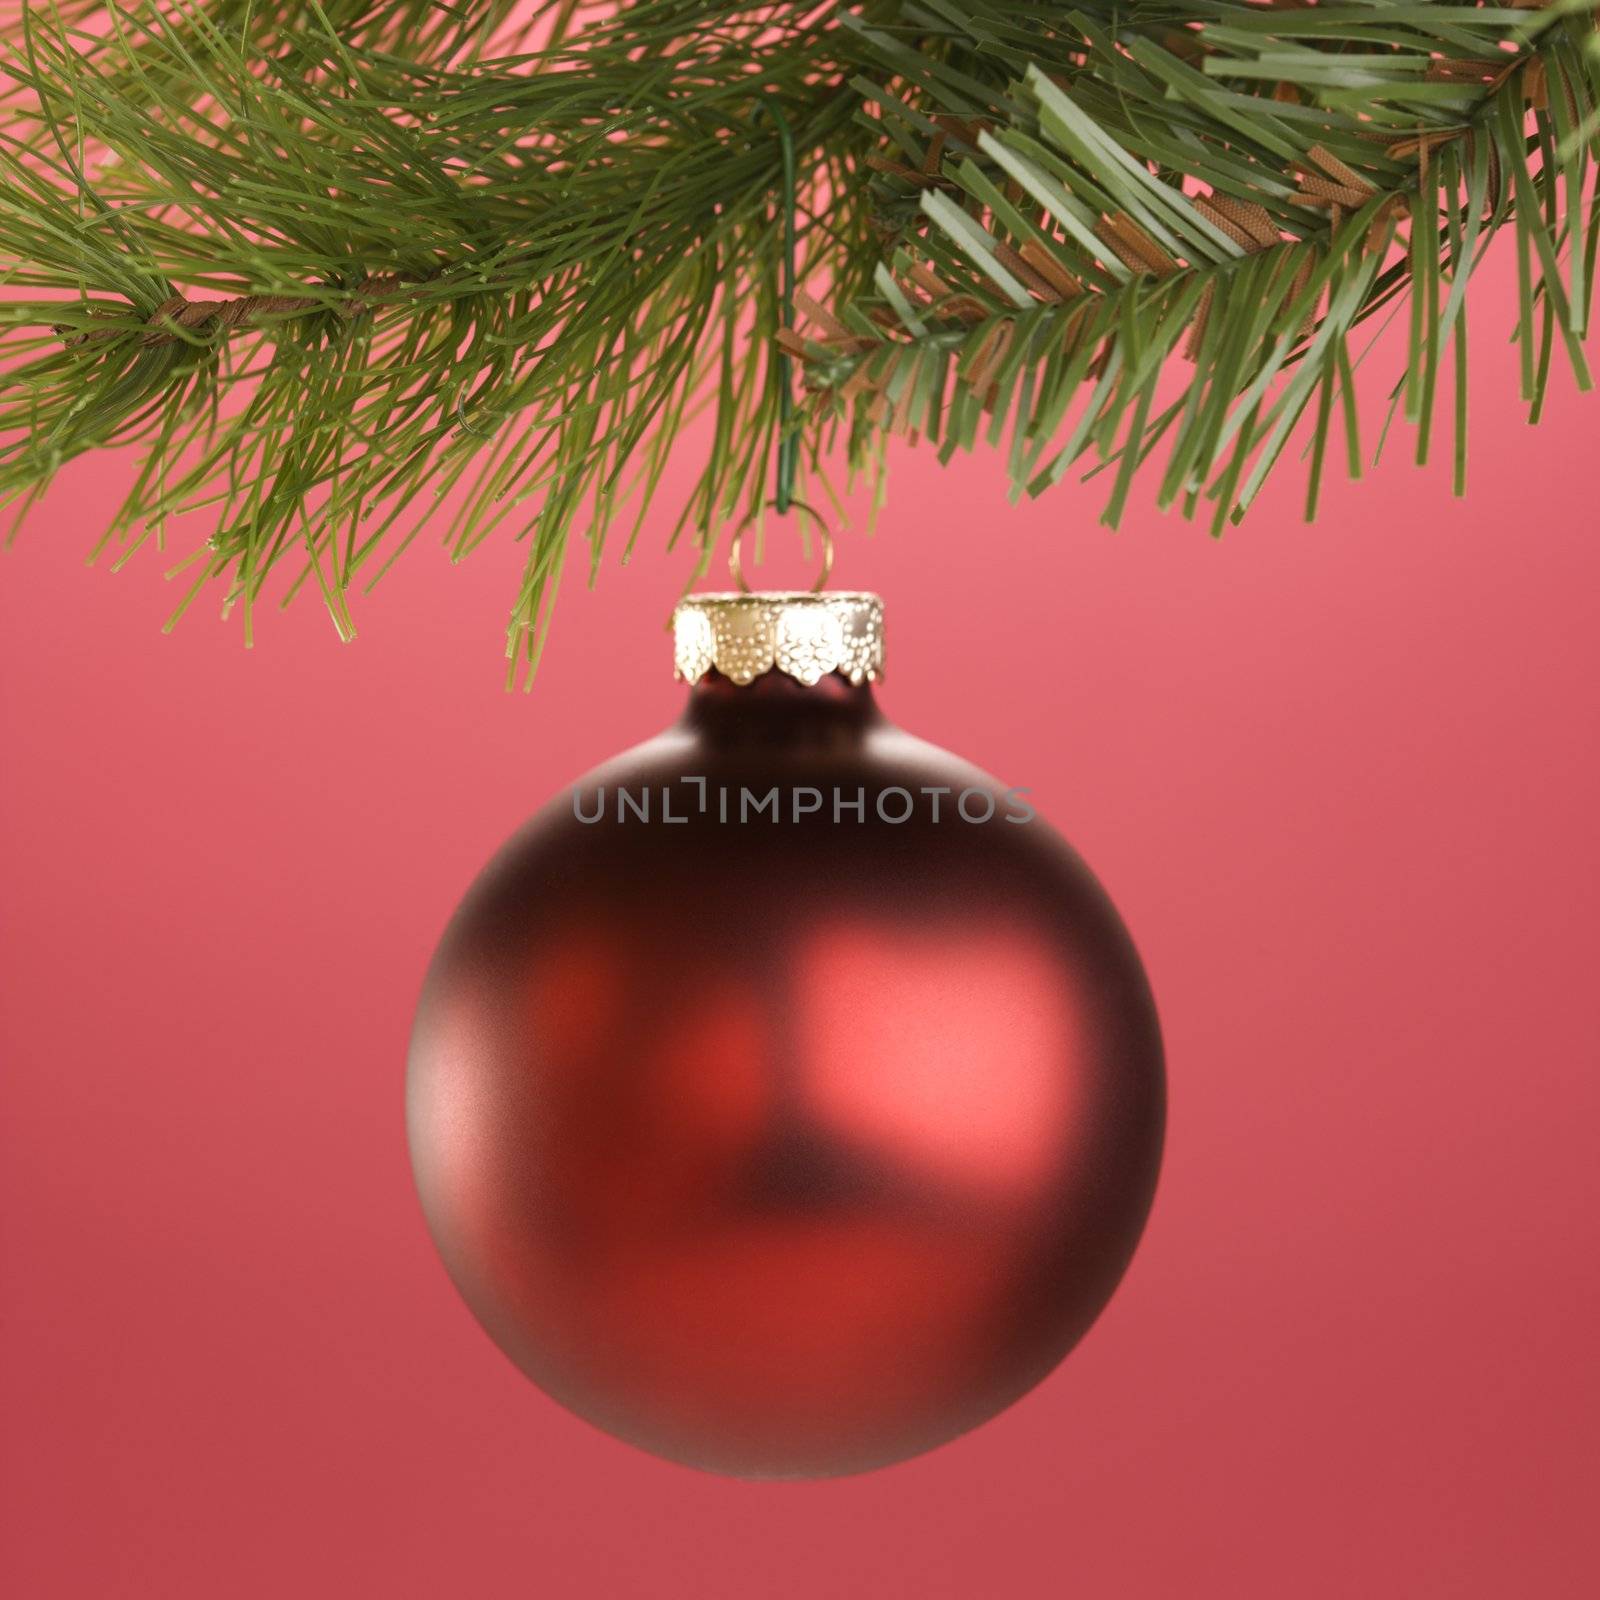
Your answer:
<point x="344" y="271"/>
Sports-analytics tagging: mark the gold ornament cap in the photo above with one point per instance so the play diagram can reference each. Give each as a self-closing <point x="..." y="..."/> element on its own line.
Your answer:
<point x="802" y="633"/>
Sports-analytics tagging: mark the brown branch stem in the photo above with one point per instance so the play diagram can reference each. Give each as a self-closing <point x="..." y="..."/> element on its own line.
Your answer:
<point x="176" y="319"/>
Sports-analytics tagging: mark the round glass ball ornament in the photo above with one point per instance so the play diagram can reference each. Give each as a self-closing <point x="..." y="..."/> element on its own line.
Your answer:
<point x="787" y="1097"/>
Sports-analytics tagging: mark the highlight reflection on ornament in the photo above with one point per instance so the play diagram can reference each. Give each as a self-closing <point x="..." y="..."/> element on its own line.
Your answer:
<point x="785" y="1147"/>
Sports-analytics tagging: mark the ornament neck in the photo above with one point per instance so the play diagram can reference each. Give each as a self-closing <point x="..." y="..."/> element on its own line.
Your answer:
<point x="777" y="701"/>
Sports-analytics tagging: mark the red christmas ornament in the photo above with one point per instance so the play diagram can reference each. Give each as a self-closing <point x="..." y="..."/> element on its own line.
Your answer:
<point x="787" y="1099"/>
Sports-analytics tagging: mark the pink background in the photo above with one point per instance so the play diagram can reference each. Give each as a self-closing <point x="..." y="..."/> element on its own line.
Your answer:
<point x="1342" y="782"/>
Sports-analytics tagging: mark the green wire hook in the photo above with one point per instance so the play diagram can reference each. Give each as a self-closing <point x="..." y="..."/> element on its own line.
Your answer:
<point x="787" y="453"/>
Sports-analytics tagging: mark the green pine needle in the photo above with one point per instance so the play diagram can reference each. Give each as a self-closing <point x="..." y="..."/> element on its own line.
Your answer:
<point x="1367" y="149"/>
<point x="498" y="257"/>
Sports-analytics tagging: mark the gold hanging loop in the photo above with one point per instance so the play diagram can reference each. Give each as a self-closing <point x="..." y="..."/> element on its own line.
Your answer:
<point x="736" y="565"/>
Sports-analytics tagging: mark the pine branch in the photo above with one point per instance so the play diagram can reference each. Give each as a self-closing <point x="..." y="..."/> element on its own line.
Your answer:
<point x="341" y="270"/>
<point x="555" y="299"/>
<point x="1233" y="194"/>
